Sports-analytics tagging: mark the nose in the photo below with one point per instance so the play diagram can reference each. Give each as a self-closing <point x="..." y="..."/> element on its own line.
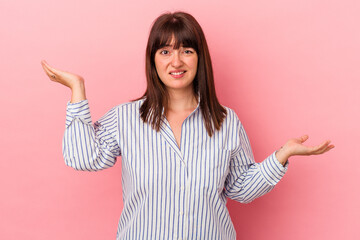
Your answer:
<point x="176" y="60"/>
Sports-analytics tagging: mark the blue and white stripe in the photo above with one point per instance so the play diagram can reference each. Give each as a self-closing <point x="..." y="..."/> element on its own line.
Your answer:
<point x="170" y="192"/>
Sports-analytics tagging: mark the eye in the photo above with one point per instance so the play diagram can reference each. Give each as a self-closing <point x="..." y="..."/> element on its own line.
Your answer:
<point x="188" y="51"/>
<point x="164" y="52"/>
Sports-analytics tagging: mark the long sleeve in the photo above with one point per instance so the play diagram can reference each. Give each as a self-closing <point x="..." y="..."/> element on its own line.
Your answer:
<point x="248" y="180"/>
<point x="87" y="146"/>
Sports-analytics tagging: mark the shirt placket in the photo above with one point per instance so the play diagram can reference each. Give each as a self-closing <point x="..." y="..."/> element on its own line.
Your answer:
<point x="182" y="184"/>
<point x="183" y="180"/>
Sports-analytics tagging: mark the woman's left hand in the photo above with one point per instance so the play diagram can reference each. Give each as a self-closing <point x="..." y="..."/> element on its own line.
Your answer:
<point x="295" y="147"/>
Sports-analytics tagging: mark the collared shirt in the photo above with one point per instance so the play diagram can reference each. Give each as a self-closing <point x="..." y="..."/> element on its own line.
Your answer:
<point x="170" y="192"/>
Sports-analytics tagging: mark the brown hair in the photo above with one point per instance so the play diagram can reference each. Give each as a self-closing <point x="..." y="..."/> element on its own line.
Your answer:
<point x="186" y="31"/>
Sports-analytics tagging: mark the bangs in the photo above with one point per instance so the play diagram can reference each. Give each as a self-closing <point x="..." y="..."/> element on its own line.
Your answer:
<point x="180" y="29"/>
<point x="175" y="32"/>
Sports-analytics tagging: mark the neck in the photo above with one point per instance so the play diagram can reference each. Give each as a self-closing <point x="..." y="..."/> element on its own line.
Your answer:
<point x="182" y="100"/>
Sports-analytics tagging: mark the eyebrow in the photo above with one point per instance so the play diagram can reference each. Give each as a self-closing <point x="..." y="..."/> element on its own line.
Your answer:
<point x="168" y="45"/>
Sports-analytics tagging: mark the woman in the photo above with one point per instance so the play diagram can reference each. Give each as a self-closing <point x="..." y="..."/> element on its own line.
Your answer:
<point x="183" y="154"/>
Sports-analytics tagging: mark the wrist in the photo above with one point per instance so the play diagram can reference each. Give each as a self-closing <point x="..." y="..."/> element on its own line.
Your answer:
<point x="78" y="85"/>
<point x="78" y="92"/>
<point x="282" y="155"/>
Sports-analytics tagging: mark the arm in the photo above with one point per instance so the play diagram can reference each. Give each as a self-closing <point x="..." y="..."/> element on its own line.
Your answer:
<point x="248" y="180"/>
<point x="85" y="146"/>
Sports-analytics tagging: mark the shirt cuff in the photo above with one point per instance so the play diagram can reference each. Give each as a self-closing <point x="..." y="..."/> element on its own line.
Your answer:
<point x="79" y="110"/>
<point x="272" y="169"/>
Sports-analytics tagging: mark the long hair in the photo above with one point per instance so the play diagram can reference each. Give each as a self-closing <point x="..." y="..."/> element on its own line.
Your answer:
<point x="187" y="32"/>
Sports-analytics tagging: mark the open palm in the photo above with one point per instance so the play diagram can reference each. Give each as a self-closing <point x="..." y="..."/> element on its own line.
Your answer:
<point x="295" y="146"/>
<point x="65" y="78"/>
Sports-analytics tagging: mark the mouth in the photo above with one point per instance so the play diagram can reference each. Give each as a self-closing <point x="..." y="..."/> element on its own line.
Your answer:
<point x="178" y="74"/>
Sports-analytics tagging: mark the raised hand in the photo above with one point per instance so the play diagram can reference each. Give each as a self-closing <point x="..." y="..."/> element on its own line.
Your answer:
<point x="295" y="146"/>
<point x="72" y="81"/>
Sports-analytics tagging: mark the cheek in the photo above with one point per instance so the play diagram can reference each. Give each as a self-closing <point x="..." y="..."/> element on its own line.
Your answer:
<point x="194" y="64"/>
<point x="160" y="66"/>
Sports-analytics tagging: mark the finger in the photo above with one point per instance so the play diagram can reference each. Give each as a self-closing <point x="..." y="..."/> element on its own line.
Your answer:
<point x="54" y="74"/>
<point x="43" y="62"/>
<point x="45" y="65"/>
<point x="322" y="148"/>
<point x="328" y="149"/>
<point x="47" y="71"/>
<point x="315" y="149"/>
<point x="303" y="138"/>
<point x="50" y="74"/>
<point x="53" y="70"/>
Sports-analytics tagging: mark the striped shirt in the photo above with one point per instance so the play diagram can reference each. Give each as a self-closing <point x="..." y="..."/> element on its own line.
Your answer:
<point x="170" y="192"/>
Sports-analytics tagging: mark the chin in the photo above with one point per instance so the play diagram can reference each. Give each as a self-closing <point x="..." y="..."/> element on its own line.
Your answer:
<point x="179" y="86"/>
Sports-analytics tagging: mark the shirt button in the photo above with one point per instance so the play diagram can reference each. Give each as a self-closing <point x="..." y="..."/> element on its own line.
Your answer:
<point x="181" y="213"/>
<point x="182" y="188"/>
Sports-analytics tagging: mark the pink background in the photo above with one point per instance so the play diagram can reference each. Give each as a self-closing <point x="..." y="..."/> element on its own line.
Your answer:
<point x="286" y="67"/>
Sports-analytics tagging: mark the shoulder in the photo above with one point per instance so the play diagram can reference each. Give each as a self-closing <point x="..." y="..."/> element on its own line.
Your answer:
<point x="124" y="110"/>
<point x="132" y="106"/>
<point x="231" y="117"/>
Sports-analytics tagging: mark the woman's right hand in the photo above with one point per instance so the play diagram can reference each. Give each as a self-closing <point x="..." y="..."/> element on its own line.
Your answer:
<point x="65" y="78"/>
<point x="70" y="80"/>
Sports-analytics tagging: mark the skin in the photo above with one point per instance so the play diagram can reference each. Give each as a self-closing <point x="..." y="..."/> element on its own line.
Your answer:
<point x="169" y="60"/>
<point x="70" y="80"/>
<point x="295" y="147"/>
<point x="182" y="98"/>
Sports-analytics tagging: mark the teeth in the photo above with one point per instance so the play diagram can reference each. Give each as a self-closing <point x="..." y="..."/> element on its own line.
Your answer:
<point x="176" y="73"/>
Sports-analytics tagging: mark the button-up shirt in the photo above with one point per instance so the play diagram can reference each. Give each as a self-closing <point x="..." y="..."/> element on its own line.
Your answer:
<point x="170" y="192"/>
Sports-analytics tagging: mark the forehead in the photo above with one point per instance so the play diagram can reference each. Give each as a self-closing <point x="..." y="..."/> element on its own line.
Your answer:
<point x="173" y="44"/>
<point x="171" y="41"/>
<point x="176" y="40"/>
